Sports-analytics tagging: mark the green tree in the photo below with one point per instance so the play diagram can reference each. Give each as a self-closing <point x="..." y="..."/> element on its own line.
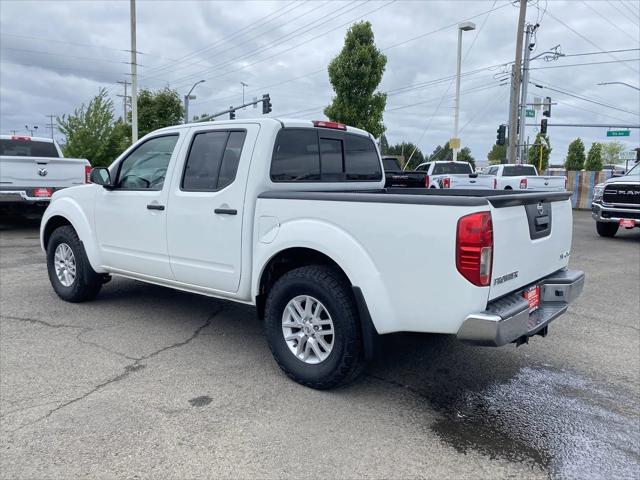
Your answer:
<point x="89" y="131"/>
<point x="158" y="109"/>
<point x="355" y="73"/>
<point x="497" y="154"/>
<point x="575" y="156"/>
<point x="406" y="149"/>
<point x="594" y="158"/>
<point x="611" y="152"/>
<point x="464" y="155"/>
<point x="445" y="152"/>
<point x="542" y="142"/>
<point x="384" y="144"/>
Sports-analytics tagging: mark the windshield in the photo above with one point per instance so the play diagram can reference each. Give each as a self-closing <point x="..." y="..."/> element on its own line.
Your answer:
<point x="635" y="171"/>
<point x="452" y="167"/>
<point x="390" y="164"/>
<point x="27" y="148"/>
<point x="519" y="170"/>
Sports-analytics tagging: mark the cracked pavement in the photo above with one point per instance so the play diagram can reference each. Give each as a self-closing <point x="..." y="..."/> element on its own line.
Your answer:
<point x="148" y="382"/>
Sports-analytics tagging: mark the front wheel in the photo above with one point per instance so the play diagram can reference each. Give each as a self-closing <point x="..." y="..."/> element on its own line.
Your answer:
<point x="607" y="229"/>
<point x="70" y="272"/>
<point x="312" y="327"/>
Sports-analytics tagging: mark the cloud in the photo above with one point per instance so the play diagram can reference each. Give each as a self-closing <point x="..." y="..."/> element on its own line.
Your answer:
<point x="55" y="55"/>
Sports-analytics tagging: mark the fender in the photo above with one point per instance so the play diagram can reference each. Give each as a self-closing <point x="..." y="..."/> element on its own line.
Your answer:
<point x="68" y="208"/>
<point x="342" y="248"/>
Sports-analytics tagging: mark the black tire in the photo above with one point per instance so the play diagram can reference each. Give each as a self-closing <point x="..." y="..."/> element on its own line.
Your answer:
<point x="331" y="288"/>
<point x="87" y="283"/>
<point x="607" y="229"/>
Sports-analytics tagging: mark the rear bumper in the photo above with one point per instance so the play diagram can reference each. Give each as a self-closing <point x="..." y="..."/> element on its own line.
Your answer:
<point x="508" y="319"/>
<point x="21" y="197"/>
<point x="600" y="213"/>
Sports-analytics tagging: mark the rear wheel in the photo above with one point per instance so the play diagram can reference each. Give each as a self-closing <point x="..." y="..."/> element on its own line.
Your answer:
<point x="607" y="229"/>
<point x="312" y="327"/>
<point x="70" y="272"/>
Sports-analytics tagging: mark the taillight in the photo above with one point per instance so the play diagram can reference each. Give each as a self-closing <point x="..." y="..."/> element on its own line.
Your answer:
<point x="42" y="192"/>
<point x="446" y="182"/>
<point x="325" y="124"/>
<point x="426" y="181"/>
<point x="87" y="174"/>
<point x="495" y="183"/>
<point x="523" y="184"/>
<point x="474" y="248"/>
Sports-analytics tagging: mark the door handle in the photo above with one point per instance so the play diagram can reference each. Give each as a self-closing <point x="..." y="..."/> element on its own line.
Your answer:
<point x="226" y="211"/>
<point x="153" y="206"/>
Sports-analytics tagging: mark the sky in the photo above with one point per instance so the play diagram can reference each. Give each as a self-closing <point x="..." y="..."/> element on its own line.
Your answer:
<point x="56" y="55"/>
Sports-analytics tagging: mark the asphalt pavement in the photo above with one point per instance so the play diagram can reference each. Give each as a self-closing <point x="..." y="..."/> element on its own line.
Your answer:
<point x="147" y="382"/>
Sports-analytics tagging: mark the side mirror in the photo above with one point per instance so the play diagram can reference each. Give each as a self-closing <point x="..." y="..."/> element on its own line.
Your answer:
<point x="101" y="176"/>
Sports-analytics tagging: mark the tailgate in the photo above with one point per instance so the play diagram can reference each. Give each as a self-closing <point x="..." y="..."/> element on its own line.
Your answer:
<point x="531" y="238"/>
<point x="551" y="183"/>
<point x="484" y="182"/>
<point x="22" y="172"/>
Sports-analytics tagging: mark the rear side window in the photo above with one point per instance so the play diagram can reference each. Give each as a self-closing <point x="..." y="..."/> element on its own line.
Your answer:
<point x="361" y="159"/>
<point x="27" y="148"/>
<point x="296" y="157"/>
<point x="518" y="170"/>
<point x="310" y="155"/>
<point x="451" y="167"/>
<point x="213" y="159"/>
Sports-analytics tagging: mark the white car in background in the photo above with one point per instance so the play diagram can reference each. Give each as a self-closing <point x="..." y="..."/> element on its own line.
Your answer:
<point x="450" y="174"/>
<point x="511" y="176"/>
<point x="32" y="169"/>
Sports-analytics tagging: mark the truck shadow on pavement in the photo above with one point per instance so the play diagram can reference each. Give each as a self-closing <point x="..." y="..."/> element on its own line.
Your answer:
<point x="497" y="402"/>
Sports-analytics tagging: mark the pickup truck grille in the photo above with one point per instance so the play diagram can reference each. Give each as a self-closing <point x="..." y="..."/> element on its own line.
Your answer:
<point x="622" y="193"/>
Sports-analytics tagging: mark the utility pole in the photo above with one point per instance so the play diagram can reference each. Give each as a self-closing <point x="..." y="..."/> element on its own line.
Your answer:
<point x="525" y="82"/>
<point x="454" y="143"/>
<point x="515" y="86"/>
<point x="134" y="74"/>
<point x="125" y="97"/>
<point x="50" y="126"/>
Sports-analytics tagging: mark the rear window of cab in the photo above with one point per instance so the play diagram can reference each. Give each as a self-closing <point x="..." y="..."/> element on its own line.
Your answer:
<point x="316" y="155"/>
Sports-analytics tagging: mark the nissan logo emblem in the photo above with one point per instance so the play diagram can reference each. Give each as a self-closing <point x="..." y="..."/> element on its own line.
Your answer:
<point x="42" y="172"/>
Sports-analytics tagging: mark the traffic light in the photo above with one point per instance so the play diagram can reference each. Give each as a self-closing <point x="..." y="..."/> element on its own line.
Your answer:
<point x="543" y="126"/>
<point x="266" y="104"/>
<point x="502" y="134"/>
<point x="546" y="107"/>
<point x="232" y="114"/>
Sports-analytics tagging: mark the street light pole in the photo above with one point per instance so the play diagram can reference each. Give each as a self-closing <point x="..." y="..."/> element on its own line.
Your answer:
<point x="525" y="83"/>
<point x="515" y="86"/>
<point x="188" y="97"/>
<point x="463" y="27"/>
<point x="134" y="74"/>
<point x="619" y="83"/>
<point x="243" y="85"/>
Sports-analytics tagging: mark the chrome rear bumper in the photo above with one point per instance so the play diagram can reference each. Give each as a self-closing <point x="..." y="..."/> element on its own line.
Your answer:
<point x="508" y="319"/>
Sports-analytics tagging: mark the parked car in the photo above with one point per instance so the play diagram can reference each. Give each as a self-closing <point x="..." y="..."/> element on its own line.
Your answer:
<point x="450" y="174"/>
<point x="512" y="176"/>
<point x="291" y="216"/>
<point x="616" y="203"/>
<point x="31" y="169"/>
<point x="395" y="176"/>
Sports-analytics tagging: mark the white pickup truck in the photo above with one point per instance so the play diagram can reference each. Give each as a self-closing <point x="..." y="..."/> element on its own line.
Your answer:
<point x="31" y="169"/>
<point x="450" y="174"/>
<point x="512" y="176"/>
<point x="291" y="216"/>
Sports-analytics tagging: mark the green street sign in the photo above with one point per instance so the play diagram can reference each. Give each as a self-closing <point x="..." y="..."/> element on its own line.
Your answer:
<point x="617" y="133"/>
<point x="531" y="113"/>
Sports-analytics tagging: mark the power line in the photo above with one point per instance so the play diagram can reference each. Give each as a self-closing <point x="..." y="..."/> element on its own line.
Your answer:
<point x="278" y="42"/>
<point x="606" y="19"/>
<point x="586" y="39"/>
<point x="40" y="52"/>
<point x="622" y="50"/>
<point x="262" y="21"/>
<point x="48" y="40"/>
<point x="586" y="99"/>
<point x="588" y="63"/>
